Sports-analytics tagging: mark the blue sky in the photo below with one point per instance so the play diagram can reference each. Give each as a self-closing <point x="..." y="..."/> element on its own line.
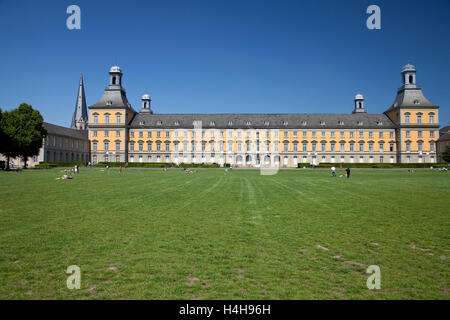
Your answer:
<point x="233" y="56"/>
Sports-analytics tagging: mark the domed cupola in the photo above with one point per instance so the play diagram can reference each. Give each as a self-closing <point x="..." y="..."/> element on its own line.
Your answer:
<point x="359" y="104"/>
<point x="115" y="76"/>
<point x="146" y="104"/>
<point x="409" y="76"/>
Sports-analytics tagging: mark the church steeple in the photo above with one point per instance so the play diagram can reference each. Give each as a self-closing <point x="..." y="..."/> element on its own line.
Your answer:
<point x="80" y="117"/>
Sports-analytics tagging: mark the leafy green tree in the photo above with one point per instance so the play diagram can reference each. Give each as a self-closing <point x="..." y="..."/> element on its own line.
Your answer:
<point x="8" y="147"/>
<point x="24" y="132"/>
<point x="31" y="131"/>
<point x="446" y="154"/>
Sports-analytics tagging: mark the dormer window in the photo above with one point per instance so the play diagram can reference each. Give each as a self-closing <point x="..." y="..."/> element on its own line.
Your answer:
<point x="177" y="123"/>
<point x="230" y="123"/>
<point x="248" y="123"/>
<point x="379" y="123"/>
<point x="212" y="123"/>
<point x="341" y="123"/>
<point x="285" y="123"/>
<point x="109" y="102"/>
<point x="416" y="101"/>
<point x="141" y="123"/>
<point x="266" y="123"/>
<point x="322" y="123"/>
<point x="303" y="123"/>
<point x="360" y="123"/>
<point x="159" y="123"/>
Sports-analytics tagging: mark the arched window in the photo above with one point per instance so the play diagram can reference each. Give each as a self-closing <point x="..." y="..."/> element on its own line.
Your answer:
<point x="114" y="80"/>
<point x="285" y="146"/>
<point x="411" y="79"/>
<point x="333" y="146"/>
<point x="408" y="146"/>
<point x="352" y="146"/>
<point x="361" y="146"/>
<point x="419" y="118"/>
<point x="432" y="146"/>
<point x="420" y="146"/>
<point x="304" y="146"/>
<point x="431" y="117"/>
<point x="407" y="117"/>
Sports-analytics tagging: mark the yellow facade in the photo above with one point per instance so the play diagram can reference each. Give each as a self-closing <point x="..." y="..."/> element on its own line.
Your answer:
<point x="405" y="132"/>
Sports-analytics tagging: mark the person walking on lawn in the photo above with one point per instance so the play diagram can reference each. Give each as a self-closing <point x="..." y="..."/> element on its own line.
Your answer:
<point x="348" y="172"/>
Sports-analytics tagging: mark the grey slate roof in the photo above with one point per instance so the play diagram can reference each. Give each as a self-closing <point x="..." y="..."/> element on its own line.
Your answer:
<point x="80" y="106"/>
<point x="407" y="97"/>
<point x="445" y="137"/>
<point x="280" y="121"/>
<point x="444" y="130"/>
<point x="113" y="98"/>
<point x="67" y="132"/>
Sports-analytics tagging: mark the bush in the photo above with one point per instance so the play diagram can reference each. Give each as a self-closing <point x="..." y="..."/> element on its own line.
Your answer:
<point x="200" y="165"/>
<point x="135" y="164"/>
<point x="157" y="165"/>
<point x="381" y="165"/>
<point x="303" y="164"/>
<point x="52" y="164"/>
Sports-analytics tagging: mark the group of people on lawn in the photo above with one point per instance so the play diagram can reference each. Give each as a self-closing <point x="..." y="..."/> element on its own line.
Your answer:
<point x="333" y="172"/>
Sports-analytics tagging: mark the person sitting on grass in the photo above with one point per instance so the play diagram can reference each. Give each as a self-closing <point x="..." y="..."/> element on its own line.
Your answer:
<point x="64" y="177"/>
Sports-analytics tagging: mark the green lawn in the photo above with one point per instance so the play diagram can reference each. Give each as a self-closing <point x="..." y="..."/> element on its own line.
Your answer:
<point x="300" y="234"/>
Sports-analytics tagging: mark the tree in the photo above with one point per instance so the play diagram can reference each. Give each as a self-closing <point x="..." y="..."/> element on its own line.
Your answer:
<point x="24" y="132"/>
<point x="8" y="147"/>
<point x="31" y="131"/>
<point x="446" y="154"/>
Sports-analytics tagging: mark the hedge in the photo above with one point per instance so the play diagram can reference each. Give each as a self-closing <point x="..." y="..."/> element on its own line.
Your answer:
<point x="382" y="165"/>
<point x="135" y="164"/>
<point x="157" y="165"/>
<point x="51" y="164"/>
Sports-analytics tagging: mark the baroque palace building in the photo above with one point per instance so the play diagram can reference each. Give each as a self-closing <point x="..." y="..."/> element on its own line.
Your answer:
<point x="405" y="133"/>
